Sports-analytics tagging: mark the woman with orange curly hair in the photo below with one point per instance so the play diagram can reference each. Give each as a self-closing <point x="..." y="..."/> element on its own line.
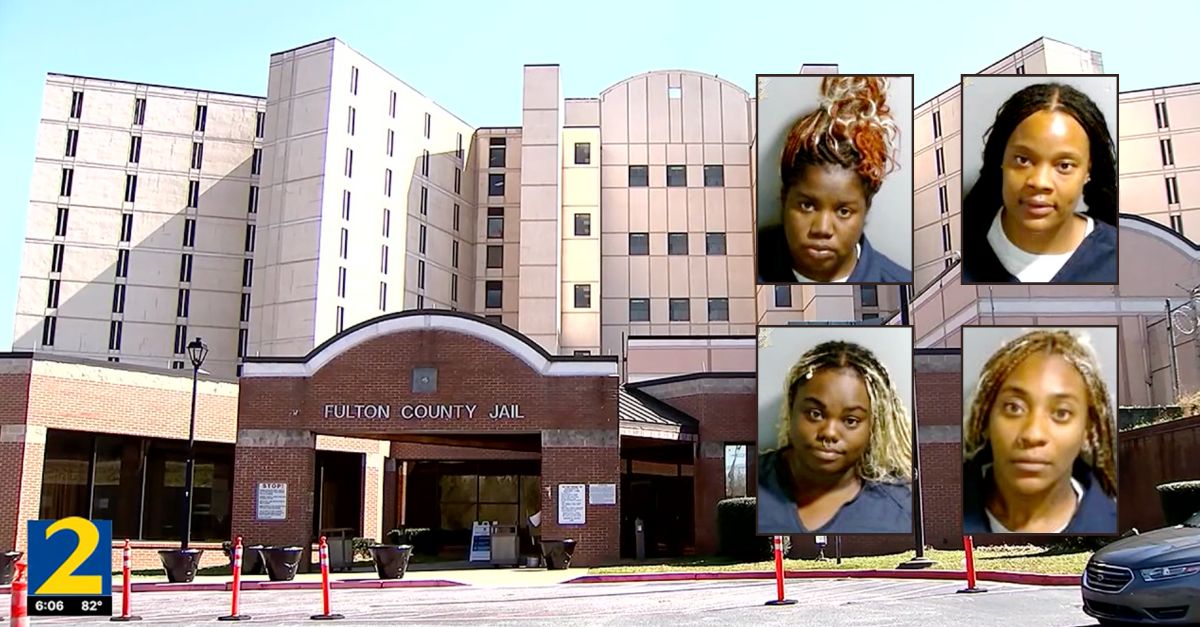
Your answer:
<point x="834" y="161"/>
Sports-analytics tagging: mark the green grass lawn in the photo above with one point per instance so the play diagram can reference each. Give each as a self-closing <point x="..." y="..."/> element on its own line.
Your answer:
<point x="1026" y="559"/>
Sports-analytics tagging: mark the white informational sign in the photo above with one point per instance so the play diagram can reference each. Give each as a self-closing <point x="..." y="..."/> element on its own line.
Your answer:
<point x="602" y="494"/>
<point x="821" y="540"/>
<point x="572" y="503"/>
<point x="481" y="542"/>
<point x="271" y="501"/>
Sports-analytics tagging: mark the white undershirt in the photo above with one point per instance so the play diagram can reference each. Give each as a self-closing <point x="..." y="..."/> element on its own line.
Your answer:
<point x="998" y="527"/>
<point x="1027" y="267"/>
<point x="857" y="256"/>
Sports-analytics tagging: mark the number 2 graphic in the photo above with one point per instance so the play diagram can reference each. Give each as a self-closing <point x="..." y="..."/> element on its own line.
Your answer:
<point x="64" y="580"/>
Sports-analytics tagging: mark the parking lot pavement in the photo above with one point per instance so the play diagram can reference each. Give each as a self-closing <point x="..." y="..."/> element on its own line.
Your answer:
<point x="837" y="603"/>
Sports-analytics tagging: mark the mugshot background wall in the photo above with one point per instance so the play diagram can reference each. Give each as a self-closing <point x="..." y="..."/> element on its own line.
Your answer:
<point x="978" y="344"/>
<point x="784" y="99"/>
<point x="780" y="347"/>
<point x="983" y="95"/>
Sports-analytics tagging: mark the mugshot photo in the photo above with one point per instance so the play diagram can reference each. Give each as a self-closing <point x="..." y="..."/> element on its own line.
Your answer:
<point x="834" y="194"/>
<point x="1039" y="430"/>
<point x="1039" y="179"/>
<point x="835" y="430"/>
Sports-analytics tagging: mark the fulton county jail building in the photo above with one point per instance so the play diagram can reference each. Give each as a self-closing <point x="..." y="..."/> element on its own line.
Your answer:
<point x="297" y="232"/>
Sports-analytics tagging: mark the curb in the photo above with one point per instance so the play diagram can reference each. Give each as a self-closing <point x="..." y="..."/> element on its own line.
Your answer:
<point x="227" y="586"/>
<point x="1032" y="579"/>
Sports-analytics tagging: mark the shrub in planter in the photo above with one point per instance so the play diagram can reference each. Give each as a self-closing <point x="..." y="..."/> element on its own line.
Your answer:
<point x="1180" y="501"/>
<point x="737" y="533"/>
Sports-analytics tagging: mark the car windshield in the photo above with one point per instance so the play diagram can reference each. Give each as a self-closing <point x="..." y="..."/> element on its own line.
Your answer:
<point x="1194" y="521"/>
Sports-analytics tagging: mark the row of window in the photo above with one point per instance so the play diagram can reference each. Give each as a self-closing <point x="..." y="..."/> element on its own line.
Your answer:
<point x="639" y="176"/>
<point x="116" y="331"/>
<point x="126" y="234"/>
<point x="67" y="185"/>
<point x="868" y="294"/>
<point x="200" y="120"/>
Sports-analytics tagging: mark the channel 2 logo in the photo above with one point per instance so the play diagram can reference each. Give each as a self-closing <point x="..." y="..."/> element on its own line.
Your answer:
<point x="70" y="567"/>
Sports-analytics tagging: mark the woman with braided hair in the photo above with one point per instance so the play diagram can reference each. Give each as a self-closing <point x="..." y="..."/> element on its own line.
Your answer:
<point x="1039" y="439"/>
<point x="833" y="163"/>
<point x="844" y="461"/>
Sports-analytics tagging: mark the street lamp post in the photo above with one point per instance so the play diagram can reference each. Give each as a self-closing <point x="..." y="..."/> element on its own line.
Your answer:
<point x="197" y="351"/>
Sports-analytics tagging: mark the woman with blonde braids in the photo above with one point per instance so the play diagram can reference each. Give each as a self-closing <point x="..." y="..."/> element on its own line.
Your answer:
<point x="834" y="161"/>
<point x="844" y="462"/>
<point x="1038" y="441"/>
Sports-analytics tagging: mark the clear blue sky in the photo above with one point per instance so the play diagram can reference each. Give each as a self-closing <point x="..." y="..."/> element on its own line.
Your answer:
<point x="468" y="55"/>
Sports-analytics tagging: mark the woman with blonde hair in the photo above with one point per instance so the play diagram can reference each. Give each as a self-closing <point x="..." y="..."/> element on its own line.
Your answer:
<point x="844" y="462"/>
<point x="834" y="161"/>
<point x="1038" y="441"/>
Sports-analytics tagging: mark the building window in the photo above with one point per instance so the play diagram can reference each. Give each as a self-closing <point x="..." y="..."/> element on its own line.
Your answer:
<point x="420" y="274"/>
<point x="245" y="309"/>
<point x="583" y="296"/>
<point x="457" y="180"/>
<point x="387" y="222"/>
<point x="582" y="353"/>
<point x="428" y="126"/>
<point x="354" y="80"/>
<point x="122" y="269"/>
<point x="130" y="187"/>
<point x="1020" y="68"/>
<point x="391" y="143"/>
<point x="939" y="157"/>
<point x="197" y="155"/>
<point x="495" y="223"/>
<point x="454" y="254"/>
<point x="126" y="227"/>
<point x="350" y="121"/>
<point x="1160" y="114"/>
<point x="583" y="153"/>
<point x="177" y="364"/>
<point x="681" y="310"/>
<point x="135" y="149"/>
<point x="383" y="259"/>
<point x="458" y="151"/>
<point x="943" y="200"/>
<point x="53" y="293"/>
<point x="185" y="268"/>
<point x="676" y="176"/>
<point x="1177" y="224"/>
<point x="583" y="224"/>
<point x="714" y="176"/>
<point x="382" y="296"/>
<point x="118" y="299"/>
<point x="250" y="237"/>
<point x="76" y="105"/>
<point x="72" y="142"/>
<point x="870" y="296"/>
<point x="183" y="303"/>
<point x="677" y="243"/>
<point x="496" y="152"/>
<point x="674" y="93"/>
<point x="387" y="182"/>
<point x="422" y="234"/>
<point x="424" y="200"/>
<point x="344" y="244"/>
<point x="252" y="204"/>
<point x="348" y="163"/>
<point x="247" y="273"/>
<point x="114" y="335"/>
<point x="454" y="288"/>
<point x="139" y="111"/>
<point x="639" y="243"/>
<point x="495" y="257"/>
<point x="455" y="219"/>
<point x="937" y="124"/>
<point x="714" y="244"/>
<point x="1172" y="191"/>
<point x="1168" y="155"/>
<point x="189" y="232"/>
<point x="201" y="117"/>
<point x="243" y="340"/>
<point x="345" y="204"/>
<point x="392" y="104"/>
<point x="341" y="283"/>
<point x="495" y="185"/>
<point x="57" y="252"/>
<point x="193" y="199"/>
<point x="493" y="294"/>
<point x="49" y="326"/>
<point x="735" y="470"/>
<point x="718" y="310"/>
<point x="639" y="176"/>
<point x="420" y="301"/>
<point x="260" y="124"/>
<point x="68" y="178"/>
<point x="783" y="296"/>
<point x="639" y="310"/>
<point x="256" y="162"/>
<point x="424" y="163"/>
<point x="60" y="223"/>
<point x="946" y="238"/>
<point x="339" y="319"/>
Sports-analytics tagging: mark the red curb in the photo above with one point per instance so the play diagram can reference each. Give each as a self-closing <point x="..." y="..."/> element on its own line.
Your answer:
<point x="940" y="575"/>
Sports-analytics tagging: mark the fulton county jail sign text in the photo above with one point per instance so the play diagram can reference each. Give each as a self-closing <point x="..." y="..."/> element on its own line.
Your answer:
<point x="427" y="411"/>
